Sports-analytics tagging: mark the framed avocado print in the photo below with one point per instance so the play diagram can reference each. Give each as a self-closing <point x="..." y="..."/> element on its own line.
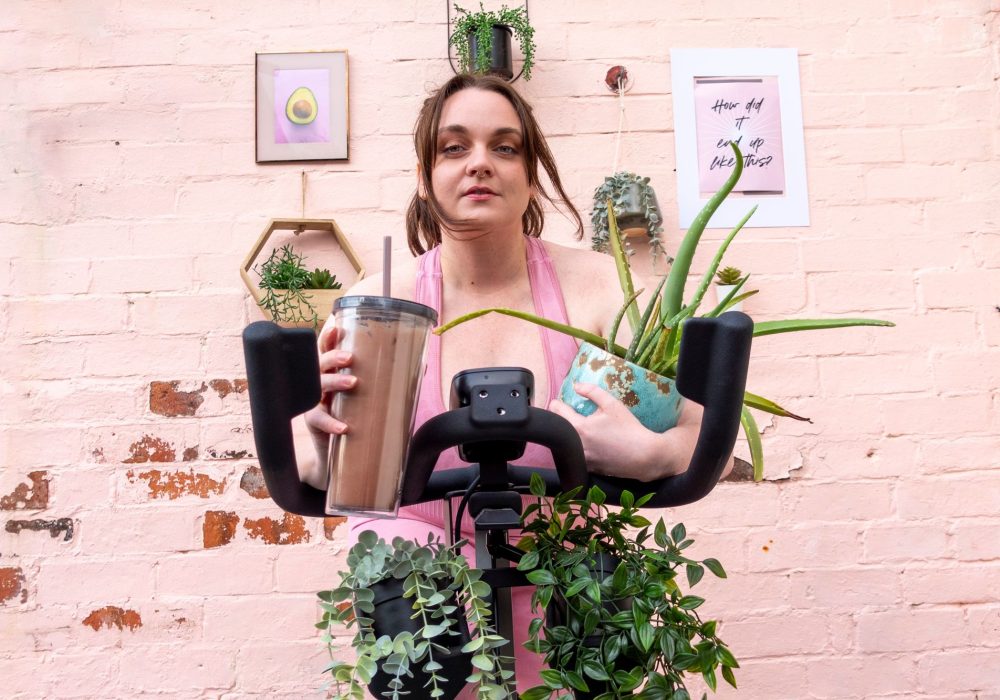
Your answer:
<point x="301" y="105"/>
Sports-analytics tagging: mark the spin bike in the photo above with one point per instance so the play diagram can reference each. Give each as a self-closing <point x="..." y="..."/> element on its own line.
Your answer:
<point x="490" y="421"/>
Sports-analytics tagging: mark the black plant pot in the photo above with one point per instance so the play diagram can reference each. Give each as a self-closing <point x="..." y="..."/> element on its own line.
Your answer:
<point x="501" y="62"/>
<point x="557" y="613"/>
<point x="632" y="220"/>
<point x="391" y="616"/>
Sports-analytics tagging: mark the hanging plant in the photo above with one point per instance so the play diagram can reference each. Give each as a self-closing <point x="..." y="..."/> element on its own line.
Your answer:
<point x="635" y="207"/>
<point x="474" y="34"/>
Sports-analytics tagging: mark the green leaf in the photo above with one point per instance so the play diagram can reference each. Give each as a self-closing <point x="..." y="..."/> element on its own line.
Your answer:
<point x="541" y="577"/>
<point x="715" y="567"/>
<point x="726" y="657"/>
<point x="690" y="602"/>
<point x="727" y="674"/>
<point x="645" y="633"/>
<point x="552" y="678"/>
<point x="594" y="670"/>
<point x="624" y="271"/>
<point x="529" y="561"/>
<point x="678" y="533"/>
<point x="762" y="404"/>
<point x="578" y="333"/>
<point x="539" y="692"/>
<point x="710" y="680"/>
<point x="660" y="533"/>
<point x="753" y="439"/>
<point x="694" y="574"/>
<point x="537" y="484"/>
<point x="762" y="328"/>
<point x="483" y="662"/>
<point x="674" y="290"/>
<point x="575" y="680"/>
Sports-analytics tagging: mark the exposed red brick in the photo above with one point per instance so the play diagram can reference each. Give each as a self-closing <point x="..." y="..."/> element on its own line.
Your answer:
<point x="113" y="616"/>
<point x="28" y="497"/>
<point x="60" y="526"/>
<point x="252" y="482"/>
<point x="173" y="485"/>
<point x="150" y="449"/>
<point x="166" y="400"/>
<point x="219" y="528"/>
<point x="224" y="387"/>
<point x="11" y="584"/>
<point x="291" y="529"/>
<point x="212" y="453"/>
<point x="742" y="471"/>
<point x="190" y="454"/>
<point x="332" y="523"/>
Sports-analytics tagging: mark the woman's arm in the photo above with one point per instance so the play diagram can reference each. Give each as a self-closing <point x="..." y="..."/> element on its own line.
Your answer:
<point x="615" y="443"/>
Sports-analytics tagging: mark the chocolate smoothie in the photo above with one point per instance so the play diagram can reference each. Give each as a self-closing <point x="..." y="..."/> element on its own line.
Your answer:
<point x="387" y="338"/>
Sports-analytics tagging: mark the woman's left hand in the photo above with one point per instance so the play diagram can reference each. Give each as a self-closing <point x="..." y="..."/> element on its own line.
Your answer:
<point x="615" y="443"/>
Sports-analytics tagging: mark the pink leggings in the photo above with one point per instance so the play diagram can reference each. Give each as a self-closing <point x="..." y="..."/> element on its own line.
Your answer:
<point x="528" y="663"/>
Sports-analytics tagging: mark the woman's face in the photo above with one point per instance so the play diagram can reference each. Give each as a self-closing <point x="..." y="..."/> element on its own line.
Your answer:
<point x="479" y="175"/>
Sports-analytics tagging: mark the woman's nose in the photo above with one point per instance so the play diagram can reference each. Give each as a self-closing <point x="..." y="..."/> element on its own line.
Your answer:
<point x="479" y="164"/>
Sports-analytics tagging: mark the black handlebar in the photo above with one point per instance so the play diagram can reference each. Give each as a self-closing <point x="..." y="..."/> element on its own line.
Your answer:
<point x="283" y="381"/>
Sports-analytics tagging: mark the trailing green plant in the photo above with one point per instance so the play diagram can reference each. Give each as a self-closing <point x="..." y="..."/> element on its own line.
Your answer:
<point x="284" y="278"/>
<point x="616" y="188"/>
<point x="481" y="24"/>
<point x="628" y="625"/>
<point x="446" y="593"/>
<point x="728" y="276"/>
<point x="657" y="330"/>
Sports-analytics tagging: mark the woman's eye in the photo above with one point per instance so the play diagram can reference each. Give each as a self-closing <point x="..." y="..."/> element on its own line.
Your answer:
<point x="507" y="150"/>
<point x="451" y="148"/>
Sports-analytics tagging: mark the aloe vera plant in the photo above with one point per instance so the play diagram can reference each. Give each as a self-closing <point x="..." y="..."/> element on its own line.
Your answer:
<point x="657" y="329"/>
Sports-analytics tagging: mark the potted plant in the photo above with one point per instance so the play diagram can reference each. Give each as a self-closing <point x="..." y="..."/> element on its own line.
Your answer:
<point x="482" y="40"/>
<point x="292" y="294"/>
<point x="413" y="606"/>
<point x="612" y="614"/>
<point x="726" y="281"/>
<point x="635" y="209"/>
<point x="656" y="332"/>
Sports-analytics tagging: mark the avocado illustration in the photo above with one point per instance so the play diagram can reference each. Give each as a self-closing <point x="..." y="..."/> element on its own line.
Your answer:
<point x="301" y="106"/>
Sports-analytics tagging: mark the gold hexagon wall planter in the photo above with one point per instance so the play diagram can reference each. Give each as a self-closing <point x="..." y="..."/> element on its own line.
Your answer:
<point x="319" y="300"/>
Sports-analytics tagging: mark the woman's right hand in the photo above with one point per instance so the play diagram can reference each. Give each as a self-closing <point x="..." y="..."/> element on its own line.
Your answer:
<point x="320" y="421"/>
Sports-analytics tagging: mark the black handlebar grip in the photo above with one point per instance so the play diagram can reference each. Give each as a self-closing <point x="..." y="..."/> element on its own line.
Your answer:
<point x="283" y="381"/>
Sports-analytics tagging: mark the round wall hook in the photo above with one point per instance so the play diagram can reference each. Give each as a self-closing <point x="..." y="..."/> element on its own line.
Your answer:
<point x="617" y="79"/>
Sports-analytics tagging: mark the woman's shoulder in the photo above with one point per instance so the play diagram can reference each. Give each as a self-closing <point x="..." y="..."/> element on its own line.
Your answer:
<point x="578" y="266"/>
<point x="403" y="283"/>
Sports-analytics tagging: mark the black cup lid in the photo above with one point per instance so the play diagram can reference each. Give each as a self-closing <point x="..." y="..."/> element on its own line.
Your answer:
<point x="373" y="303"/>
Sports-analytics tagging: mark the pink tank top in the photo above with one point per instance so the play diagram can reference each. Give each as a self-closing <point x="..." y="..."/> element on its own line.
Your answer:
<point x="559" y="350"/>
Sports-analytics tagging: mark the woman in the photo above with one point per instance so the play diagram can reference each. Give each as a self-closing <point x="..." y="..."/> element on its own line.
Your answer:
<point x="475" y="219"/>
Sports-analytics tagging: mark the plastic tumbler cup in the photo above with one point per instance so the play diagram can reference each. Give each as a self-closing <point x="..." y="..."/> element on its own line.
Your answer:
<point x="388" y="338"/>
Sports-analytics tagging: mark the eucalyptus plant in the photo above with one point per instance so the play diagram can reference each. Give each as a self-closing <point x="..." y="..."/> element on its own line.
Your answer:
<point x="657" y="330"/>
<point x="446" y="592"/>
<point x="616" y="188"/>
<point x="285" y="279"/>
<point x="481" y="24"/>
<point x="627" y="626"/>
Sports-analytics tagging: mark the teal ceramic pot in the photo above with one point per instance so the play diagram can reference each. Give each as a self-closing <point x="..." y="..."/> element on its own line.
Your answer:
<point x="651" y="398"/>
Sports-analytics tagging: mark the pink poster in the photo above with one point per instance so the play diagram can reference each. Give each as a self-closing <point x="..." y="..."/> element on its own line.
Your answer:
<point x="746" y="111"/>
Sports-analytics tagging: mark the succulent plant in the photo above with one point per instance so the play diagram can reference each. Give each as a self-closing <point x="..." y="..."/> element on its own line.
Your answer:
<point x="728" y="275"/>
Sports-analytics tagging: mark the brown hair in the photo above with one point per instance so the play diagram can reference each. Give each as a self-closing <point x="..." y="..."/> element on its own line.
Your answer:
<point x="424" y="216"/>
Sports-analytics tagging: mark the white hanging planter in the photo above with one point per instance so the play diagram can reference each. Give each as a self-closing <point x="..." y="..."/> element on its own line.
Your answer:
<point x="722" y="290"/>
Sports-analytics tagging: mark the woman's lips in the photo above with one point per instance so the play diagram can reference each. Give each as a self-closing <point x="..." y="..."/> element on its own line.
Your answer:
<point x="479" y="194"/>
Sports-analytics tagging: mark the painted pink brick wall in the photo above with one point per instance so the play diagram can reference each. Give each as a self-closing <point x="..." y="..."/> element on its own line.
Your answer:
<point x="865" y="566"/>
